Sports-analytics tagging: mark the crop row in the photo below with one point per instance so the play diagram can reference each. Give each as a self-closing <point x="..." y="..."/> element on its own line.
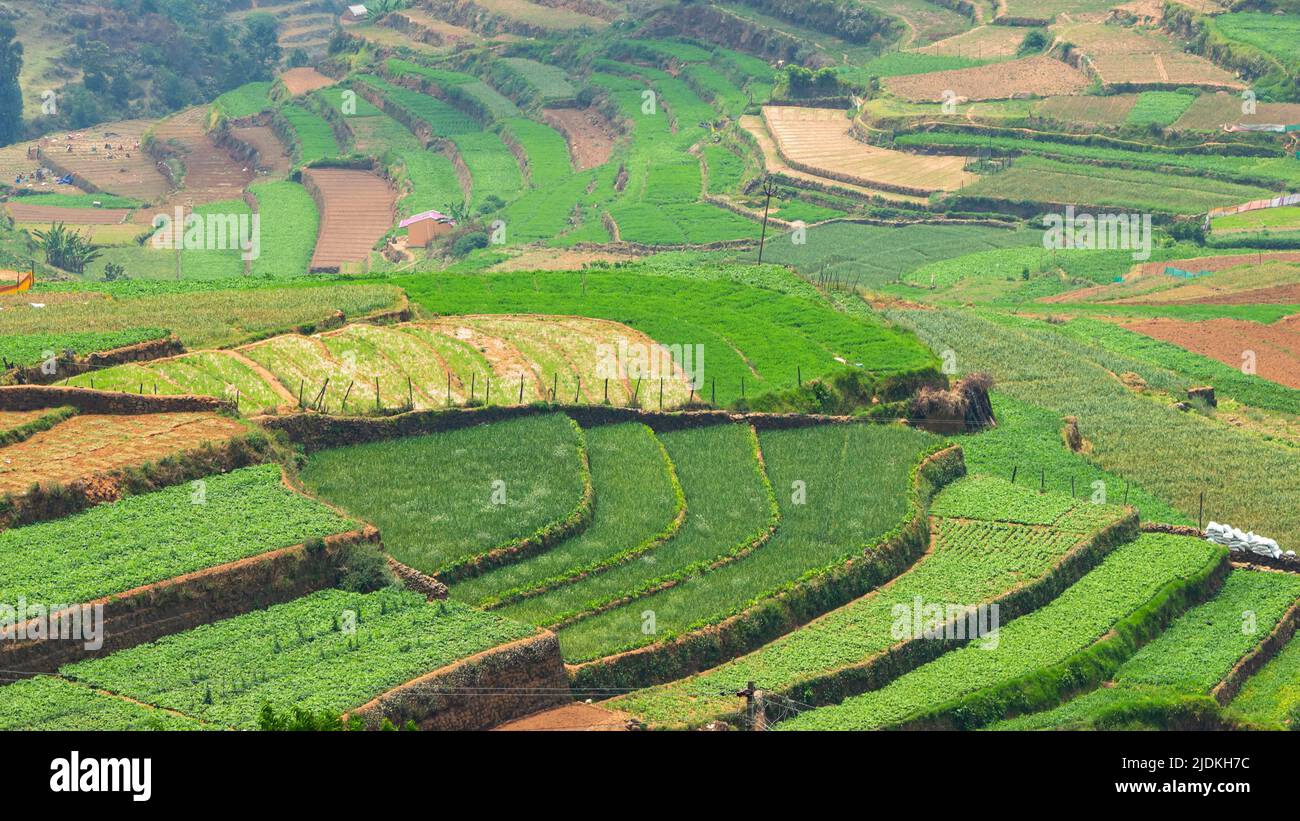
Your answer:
<point x="1129" y="579"/>
<point x="328" y="652"/>
<point x="148" y="538"/>
<point x="1191" y="657"/>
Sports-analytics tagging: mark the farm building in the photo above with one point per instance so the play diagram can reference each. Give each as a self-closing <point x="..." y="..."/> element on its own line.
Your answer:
<point x="422" y="228"/>
<point x="355" y="13"/>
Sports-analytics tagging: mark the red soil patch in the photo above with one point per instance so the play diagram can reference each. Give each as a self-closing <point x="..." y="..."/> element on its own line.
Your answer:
<point x="304" y="80"/>
<point x="589" y="135"/>
<point x="91" y="444"/>
<point x="272" y="157"/>
<point x="1276" y="347"/>
<point x="576" y="716"/>
<point x="72" y="216"/>
<point x="356" y="211"/>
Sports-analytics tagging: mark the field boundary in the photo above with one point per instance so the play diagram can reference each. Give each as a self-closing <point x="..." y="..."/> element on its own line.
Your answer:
<point x="1249" y="664"/>
<point x="316" y="431"/>
<point x="139" y="352"/>
<point x="547" y="537"/>
<point x="114" y="403"/>
<point x="1050" y="686"/>
<point x="148" y="612"/>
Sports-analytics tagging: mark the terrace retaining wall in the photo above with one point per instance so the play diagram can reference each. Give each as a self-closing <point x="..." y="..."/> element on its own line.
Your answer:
<point x="316" y="431"/>
<point x="88" y="400"/>
<point x="1262" y="654"/>
<point x="149" y="612"/>
<point x="139" y="352"/>
<point x="480" y="692"/>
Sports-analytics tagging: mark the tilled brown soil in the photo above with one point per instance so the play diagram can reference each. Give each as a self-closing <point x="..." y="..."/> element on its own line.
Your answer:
<point x="1275" y="348"/>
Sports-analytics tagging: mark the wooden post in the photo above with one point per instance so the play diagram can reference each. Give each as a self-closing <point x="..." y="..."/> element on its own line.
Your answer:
<point x="300" y="393"/>
<point x="377" y="402"/>
<point x="635" y="392"/>
<point x="798" y="375"/>
<point x="577" y="390"/>
<point x="487" y="397"/>
<point x="344" y="405"/>
<point x="1042" y="480"/>
<point x="661" y="393"/>
<point x="713" y="392"/>
<point x="1200" y="512"/>
<point x="742" y="387"/>
<point x="607" y="390"/>
<point x="1126" y="492"/>
<point x="555" y="385"/>
<point x="473" y="384"/>
<point x="410" y="393"/>
<point x="449" y="389"/>
<point x="1013" y="473"/>
<point x="521" y="388"/>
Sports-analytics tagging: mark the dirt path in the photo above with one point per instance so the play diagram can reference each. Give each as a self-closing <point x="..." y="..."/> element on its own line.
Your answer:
<point x="263" y="374"/>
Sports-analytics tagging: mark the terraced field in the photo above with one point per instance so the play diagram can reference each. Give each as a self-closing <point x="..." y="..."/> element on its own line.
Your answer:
<point x="356" y="209"/>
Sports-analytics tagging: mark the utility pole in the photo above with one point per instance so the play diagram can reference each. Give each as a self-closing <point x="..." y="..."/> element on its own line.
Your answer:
<point x="755" y="712"/>
<point x="769" y="188"/>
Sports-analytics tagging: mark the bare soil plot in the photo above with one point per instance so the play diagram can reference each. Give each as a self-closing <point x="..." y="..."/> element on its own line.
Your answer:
<point x="543" y="16"/>
<point x="1111" y="109"/>
<point x="426" y="28"/>
<point x="980" y="43"/>
<point x="304" y="80"/>
<point x="273" y="159"/>
<point x="211" y="174"/>
<point x="559" y="259"/>
<point x="589" y="135"/>
<point x="819" y="140"/>
<point x="1031" y="76"/>
<point x="1210" y="112"/>
<point x="110" y="158"/>
<point x="12" y="419"/>
<point x="72" y="216"/>
<point x="1120" y="55"/>
<point x="356" y="211"/>
<point x="1267" y="283"/>
<point x="578" y="716"/>
<point x="91" y="444"/>
<point x="1275" y="348"/>
<point x="773" y="162"/>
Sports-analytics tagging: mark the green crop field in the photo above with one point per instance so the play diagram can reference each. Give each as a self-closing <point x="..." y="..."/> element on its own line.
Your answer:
<point x="297" y="654"/>
<point x="200" y="315"/>
<point x="639" y="503"/>
<point x="48" y="703"/>
<point x="34" y="347"/>
<point x="495" y="484"/>
<point x="687" y="386"/>
<point x="764" y="336"/>
<point x="105" y="550"/>
<point x="839" y="488"/>
<point x="289" y="222"/>
<point x="313" y="139"/>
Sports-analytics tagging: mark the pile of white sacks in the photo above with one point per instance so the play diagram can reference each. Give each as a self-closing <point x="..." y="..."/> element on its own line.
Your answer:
<point x="1233" y="539"/>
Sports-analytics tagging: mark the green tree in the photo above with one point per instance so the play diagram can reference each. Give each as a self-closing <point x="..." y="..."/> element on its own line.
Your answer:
<point x="11" y="94"/>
